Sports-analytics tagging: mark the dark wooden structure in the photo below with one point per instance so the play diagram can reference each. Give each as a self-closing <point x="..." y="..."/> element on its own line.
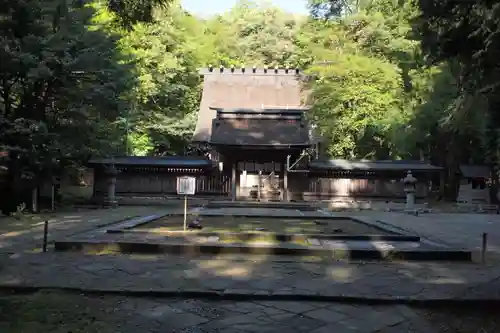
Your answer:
<point x="254" y="144"/>
<point x="260" y="145"/>
<point x="473" y="186"/>
<point x="157" y="176"/>
<point x="376" y="179"/>
<point x="253" y="120"/>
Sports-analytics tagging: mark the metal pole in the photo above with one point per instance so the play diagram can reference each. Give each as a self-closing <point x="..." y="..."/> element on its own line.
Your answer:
<point x="185" y="212"/>
<point x="45" y="234"/>
<point x="484" y="245"/>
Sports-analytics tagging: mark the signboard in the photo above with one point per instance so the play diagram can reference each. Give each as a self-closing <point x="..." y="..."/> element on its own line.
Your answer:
<point x="186" y="185"/>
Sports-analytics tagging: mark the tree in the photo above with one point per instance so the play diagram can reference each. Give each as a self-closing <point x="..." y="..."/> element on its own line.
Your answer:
<point x="130" y="12"/>
<point x="61" y="88"/>
<point x="165" y="100"/>
<point x="467" y="34"/>
<point x="353" y="101"/>
<point x="252" y="35"/>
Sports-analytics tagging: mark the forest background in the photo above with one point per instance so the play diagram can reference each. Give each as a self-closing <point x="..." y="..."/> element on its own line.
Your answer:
<point x="413" y="79"/>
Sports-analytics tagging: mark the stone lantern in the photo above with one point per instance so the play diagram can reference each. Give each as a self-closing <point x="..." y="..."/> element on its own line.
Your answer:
<point x="410" y="188"/>
<point x="111" y="172"/>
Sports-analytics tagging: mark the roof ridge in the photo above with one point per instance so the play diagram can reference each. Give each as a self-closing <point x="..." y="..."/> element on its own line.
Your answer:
<point x="250" y="70"/>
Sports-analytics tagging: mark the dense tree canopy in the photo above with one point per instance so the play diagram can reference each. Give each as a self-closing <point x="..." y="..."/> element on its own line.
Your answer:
<point x="394" y="79"/>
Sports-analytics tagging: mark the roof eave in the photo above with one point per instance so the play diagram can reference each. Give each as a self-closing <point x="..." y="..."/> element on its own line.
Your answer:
<point x="413" y="169"/>
<point x="246" y="146"/>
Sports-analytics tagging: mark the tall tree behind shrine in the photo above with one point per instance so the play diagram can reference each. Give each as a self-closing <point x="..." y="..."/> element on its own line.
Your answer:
<point x="435" y="118"/>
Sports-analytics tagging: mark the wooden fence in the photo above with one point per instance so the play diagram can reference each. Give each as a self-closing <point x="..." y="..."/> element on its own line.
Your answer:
<point x="151" y="183"/>
<point x="300" y="186"/>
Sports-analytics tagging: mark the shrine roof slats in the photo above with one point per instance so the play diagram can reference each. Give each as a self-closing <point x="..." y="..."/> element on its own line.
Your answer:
<point x="156" y="161"/>
<point x="382" y="165"/>
<point x="246" y="91"/>
<point x="250" y="71"/>
<point x="475" y="171"/>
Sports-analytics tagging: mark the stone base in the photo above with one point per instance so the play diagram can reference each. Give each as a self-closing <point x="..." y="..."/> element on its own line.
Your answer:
<point x="111" y="204"/>
<point x="94" y="246"/>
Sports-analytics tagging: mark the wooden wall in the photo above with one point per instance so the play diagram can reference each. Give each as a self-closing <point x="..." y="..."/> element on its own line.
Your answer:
<point x="473" y="191"/>
<point x="158" y="182"/>
<point x="324" y="188"/>
<point x="301" y="186"/>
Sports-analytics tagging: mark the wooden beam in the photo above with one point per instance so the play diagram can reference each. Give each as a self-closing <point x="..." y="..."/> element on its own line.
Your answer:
<point x="286" y="196"/>
<point x="233" y="180"/>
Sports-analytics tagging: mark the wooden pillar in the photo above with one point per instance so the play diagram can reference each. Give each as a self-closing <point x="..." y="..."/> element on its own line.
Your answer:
<point x="34" y="199"/>
<point x="94" y="179"/>
<point x="286" y="195"/>
<point x="238" y="181"/>
<point x="233" y="180"/>
<point x="441" y="184"/>
<point x="259" y="186"/>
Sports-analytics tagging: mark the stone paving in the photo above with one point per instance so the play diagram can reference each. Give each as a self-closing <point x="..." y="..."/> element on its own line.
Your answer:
<point x="458" y="230"/>
<point x="261" y="275"/>
<point x="253" y="277"/>
<point x="195" y="316"/>
<point x="268" y="285"/>
<point x="454" y="230"/>
<point x="66" y="224"/>
<point x="132" y="315"/>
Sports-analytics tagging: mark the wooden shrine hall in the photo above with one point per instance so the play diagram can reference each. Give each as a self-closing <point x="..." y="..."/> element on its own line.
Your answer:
<point x="259" y="144"/>
<point x="253" y="121"/>
<point x="254" y="124"/>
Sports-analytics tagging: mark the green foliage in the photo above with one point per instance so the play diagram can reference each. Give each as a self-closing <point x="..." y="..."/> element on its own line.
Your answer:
<point x="62" y="86"/>
<point x="379" y="97"/>
<point x="110" y="77"/>
<point x="130" y="12"/>
<point x="355" y="100"/>
<point x="65" y="83"/>
<point x="168" y="90"/>
<point x="466" y="34"/>
<point x="251" y="35"/>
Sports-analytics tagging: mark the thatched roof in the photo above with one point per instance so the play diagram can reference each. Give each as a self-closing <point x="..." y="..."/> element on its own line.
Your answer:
<point x="248" y="88"/>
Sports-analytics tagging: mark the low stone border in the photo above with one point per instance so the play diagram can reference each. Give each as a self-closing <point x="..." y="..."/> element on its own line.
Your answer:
<point x="134" y="222"/>
<point x="276" y="236"/>
<point x="380" y="226"/>
<point x="96" y="246"/>
<point x="252" y="204"/>
<point x="249" y="295"/>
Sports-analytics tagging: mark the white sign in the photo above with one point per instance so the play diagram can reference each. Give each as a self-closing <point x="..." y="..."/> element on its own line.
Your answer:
<point x="186" y="185"/>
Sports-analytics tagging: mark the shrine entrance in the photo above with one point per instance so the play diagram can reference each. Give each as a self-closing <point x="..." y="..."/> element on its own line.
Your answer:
<point x="257" y="174"/>
<point x="260" y="181"/>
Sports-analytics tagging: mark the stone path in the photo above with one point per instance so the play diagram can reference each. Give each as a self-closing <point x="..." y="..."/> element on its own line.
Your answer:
<point x="195" y="316"/>
<point x="153" y="315"/>
<point x="253" y="277"/>
<point x="267" y="284"/>
<point x="457" y="230"/>
<point x="65" y="224"/>
<point x="263" y="275"/>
